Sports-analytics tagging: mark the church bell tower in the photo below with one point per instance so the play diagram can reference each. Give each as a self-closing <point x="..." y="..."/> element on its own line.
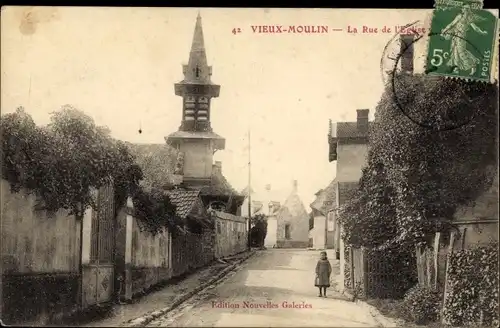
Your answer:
<point x="195" y="138"/>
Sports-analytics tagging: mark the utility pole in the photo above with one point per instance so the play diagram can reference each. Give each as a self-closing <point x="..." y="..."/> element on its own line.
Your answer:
<point x="249" y="193"/>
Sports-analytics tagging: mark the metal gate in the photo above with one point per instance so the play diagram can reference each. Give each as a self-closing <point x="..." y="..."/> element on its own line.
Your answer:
<point x="98" y="275"/>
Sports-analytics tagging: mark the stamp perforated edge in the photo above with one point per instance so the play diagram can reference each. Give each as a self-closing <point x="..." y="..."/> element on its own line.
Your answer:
<point x="494" y="65"/>
<point x="443" y="5"/>
<point x="494" y="75"/>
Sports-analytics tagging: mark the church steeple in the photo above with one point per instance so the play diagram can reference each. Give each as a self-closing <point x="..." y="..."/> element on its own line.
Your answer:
<point x="195" y="138"/>
<point x="197" y="88"/>
<point x="197" y="69"/>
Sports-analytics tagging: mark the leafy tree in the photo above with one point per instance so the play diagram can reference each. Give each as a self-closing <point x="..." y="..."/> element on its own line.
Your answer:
<point x="369" y="217"/>
<point x="157" y="163"/>
<point x="155" y="211"/>
<point x="86" y="159"/>
<point x="258" y="231"/>
<point x="428" y="169"/>
<point x="65" y="161"/>
<point x="23" y="147"/>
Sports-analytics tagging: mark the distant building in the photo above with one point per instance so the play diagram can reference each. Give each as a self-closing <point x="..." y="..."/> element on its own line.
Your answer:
<point x="287" y="224"/>
<point x="322" y="230"/>
<point x="265" y="204"/>
<point x="292" y="222"/>
<point x="272" y="225"/>
<point x="349" y="149"/>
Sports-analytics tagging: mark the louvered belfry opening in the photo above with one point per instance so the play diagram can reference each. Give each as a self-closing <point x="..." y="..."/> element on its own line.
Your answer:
<point x="197" y="88"/>
<point x="196" y="116"/>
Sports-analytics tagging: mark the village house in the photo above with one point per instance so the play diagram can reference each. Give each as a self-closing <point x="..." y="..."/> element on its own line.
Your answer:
<point x="55" y="266"/>
<point x="348" y="148"/>
<point x="264" y="203"/>
<point x="272" y="225"/>
<point x="322" y="230"/>
<point x="287" y="223"/>
<point x="293" y="222"/>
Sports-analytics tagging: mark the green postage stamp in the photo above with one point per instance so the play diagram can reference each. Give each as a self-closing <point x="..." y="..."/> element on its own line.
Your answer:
<point x="474" y="4"/>
<point x="462" y="41"/>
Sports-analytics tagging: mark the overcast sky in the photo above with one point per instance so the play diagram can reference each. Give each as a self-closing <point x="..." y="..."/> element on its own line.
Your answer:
<point x="119" y="65"/>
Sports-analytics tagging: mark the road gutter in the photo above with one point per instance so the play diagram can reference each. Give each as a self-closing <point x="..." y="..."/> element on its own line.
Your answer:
<point x="147" y="318"/>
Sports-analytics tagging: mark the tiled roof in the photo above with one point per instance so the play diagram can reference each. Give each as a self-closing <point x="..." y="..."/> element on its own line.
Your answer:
<point x="219" y="186"/>
<point x="348" y="130"/>
<point x="293" y="206"/>
<point x="183" y="199"/>
<point x="195" y="135"/>
<point x="228" y="216"/>
<point x="258" y="207"/>
<point x="318" y="192"/>
<point x="326" y="199"/>
<point x="244" y="192"/>
<point x="275" y="208"/>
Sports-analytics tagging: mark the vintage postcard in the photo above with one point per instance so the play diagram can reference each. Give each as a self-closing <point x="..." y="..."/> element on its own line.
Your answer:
<point x="223" y="167"/>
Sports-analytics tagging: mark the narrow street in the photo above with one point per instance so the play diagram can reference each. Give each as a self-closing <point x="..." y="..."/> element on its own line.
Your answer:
<point x="279" y="280"/>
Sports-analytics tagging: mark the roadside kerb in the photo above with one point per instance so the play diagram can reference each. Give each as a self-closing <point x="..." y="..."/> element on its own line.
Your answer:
<point x="144" y="320"/>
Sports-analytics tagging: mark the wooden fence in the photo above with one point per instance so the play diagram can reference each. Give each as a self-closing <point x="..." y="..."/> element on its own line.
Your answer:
<point x="379" y="273"/>
<point x="433" y="262"/>
<point x="187" y="252"/>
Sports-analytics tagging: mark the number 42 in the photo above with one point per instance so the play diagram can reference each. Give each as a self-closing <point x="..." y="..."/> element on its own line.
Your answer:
<point x="438" y="55"/>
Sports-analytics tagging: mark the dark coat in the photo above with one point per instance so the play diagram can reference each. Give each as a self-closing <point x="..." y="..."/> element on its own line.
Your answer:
<point x="323" y="272"/>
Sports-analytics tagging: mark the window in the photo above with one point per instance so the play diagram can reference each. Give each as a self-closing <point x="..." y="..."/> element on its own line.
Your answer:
<point x="331" y="220"/>
<point x="287" y="231"/>
<point x="219" y="228"/>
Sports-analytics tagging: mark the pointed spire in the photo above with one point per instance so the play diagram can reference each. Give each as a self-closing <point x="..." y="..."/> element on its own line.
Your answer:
<point x="198" y="69"/>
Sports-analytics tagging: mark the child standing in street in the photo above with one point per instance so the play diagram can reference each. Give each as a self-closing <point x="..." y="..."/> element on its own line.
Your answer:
<point x="323" y="271"/>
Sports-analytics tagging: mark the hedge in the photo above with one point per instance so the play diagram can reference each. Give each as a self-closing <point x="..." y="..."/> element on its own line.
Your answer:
<point x="62" y="163"/>
<point x="473" y="287"/>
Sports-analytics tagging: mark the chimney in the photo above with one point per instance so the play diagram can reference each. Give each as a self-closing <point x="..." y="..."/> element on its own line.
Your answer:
<point x="362" y="120"/>
<point x="406" y="52"/>
<point x="294" y="185"/>
<point x="218" y="166"/>
<point x="273" y="207"/>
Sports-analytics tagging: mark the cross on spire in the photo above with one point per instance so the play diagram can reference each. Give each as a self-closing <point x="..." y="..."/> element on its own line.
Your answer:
<point x="197" y="71"/>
